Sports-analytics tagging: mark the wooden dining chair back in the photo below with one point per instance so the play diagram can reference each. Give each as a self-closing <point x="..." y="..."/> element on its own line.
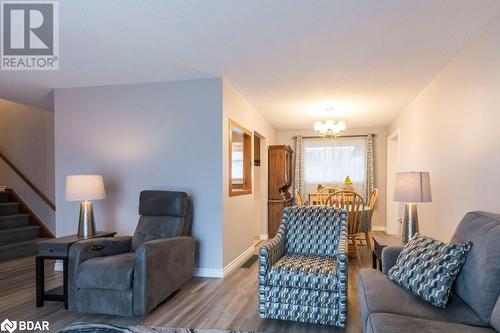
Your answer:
<point x="323" y="195"/>
<point x="299" y="200"/>
<point x="373" y="200"/>
<point x="354" y="204"/>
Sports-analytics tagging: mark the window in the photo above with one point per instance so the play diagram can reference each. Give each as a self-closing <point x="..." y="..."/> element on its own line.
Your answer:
<point x="329" y="162"/>
<point x="240" y="160"/>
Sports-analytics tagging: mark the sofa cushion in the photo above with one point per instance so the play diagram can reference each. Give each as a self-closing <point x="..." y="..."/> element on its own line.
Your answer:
<point x="378" y="294"/>
<point x="308" y="272"/>
<point x="111" y="272"/>
<point x="428" y="267"/>
<point x="477" y="283"/>
<point x="393" y="323"/>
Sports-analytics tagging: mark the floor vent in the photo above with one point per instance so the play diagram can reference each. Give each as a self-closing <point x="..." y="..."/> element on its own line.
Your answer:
<point x="250" y="261"/>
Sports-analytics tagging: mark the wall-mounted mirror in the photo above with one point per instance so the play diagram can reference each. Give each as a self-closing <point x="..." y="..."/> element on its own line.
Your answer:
<point x="240" y="159"/>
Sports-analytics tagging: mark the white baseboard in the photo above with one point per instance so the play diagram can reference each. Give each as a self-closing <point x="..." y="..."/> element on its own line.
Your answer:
<point x="239" y="260"/>
<point x="220" y="273"/>
<point x="263" y="237"/>
<point x="209" y="272"/>
<point x="378" y="228"/>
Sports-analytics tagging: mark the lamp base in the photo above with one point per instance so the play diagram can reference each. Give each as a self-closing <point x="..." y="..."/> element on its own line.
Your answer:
<point x="86" y="224"/>
<point x="410" y="222"/>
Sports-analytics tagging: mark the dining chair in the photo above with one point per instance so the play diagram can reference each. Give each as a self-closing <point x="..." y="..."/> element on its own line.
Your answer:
<point x="299" y="200"/>
<point x="354" y="204"/>
<point x="323" y="195"/>
<point x="372" y="200"/>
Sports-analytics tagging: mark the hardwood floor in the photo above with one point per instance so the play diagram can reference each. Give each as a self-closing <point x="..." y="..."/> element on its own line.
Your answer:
<point x="229" y="303"/>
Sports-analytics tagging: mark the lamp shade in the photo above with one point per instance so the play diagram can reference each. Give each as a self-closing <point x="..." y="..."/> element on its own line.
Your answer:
<point x="84" y="187"/>
<point x="413" y="187"/>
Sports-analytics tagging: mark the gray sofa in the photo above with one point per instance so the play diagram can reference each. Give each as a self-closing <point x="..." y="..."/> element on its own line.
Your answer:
<point x="474" y="304"/>
<point x="132" y="275"/>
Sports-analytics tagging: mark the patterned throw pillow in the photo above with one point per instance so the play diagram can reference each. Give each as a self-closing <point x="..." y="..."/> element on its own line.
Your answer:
<point x="428" y="267"/>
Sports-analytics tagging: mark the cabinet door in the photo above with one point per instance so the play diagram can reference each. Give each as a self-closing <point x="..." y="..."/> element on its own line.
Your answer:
<point x="286" y="166"/>
<point x="275" y="212"/>
<point x="289" y="170"/>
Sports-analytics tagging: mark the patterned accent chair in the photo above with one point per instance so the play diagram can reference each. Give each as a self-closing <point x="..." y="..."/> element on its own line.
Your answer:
<point x="303" y="269"/>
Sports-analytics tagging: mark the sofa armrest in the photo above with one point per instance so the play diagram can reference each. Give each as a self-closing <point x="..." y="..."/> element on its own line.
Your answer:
<point x="270" y="252"/>
<point x="92" y="248"/>
<point x="161" y="267"/>
<point x="342" y="256"/>
<point x="389" y="256"/>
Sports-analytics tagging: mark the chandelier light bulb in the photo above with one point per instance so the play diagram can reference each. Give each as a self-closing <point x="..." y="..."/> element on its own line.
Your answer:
<point x="318" y="125"/>
<point x="329" y="128"/>
<point x="342" y="125"/>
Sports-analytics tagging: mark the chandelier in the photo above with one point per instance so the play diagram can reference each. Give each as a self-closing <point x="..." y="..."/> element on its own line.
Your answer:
<point x="329" y="128"/>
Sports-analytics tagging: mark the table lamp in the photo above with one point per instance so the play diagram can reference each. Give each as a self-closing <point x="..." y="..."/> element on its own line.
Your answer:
<point x="84" y="188"/>
<point x="412" y="187"/>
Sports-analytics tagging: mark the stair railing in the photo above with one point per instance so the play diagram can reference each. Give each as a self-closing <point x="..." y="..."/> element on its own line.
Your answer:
<point x="28" y="182"/>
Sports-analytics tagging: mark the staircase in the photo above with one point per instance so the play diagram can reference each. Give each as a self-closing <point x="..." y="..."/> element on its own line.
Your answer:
<point x="18" y="234"/>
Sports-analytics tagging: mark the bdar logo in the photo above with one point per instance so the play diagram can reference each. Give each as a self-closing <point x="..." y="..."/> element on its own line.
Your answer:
<point x="9" y="326"/>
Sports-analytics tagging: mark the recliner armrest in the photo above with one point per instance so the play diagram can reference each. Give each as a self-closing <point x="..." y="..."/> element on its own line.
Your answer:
<point x="92" y="248"/>
<point x="98" y="247"/>
<point x="161" y="266"/>
<point x="389" y="256"/>
<point x="165" y="249"/>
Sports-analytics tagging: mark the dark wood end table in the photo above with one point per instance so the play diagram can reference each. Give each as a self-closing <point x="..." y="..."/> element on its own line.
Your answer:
<point x="57" y="249"/>
<point x="379" y="242"/>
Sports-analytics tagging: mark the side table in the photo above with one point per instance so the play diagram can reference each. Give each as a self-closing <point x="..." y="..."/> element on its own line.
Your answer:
<point x="379" y="242"/>
<point x="57" y="249"/>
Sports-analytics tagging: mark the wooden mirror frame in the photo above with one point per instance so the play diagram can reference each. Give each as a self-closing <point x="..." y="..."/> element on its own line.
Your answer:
<point x="247" y="160"/>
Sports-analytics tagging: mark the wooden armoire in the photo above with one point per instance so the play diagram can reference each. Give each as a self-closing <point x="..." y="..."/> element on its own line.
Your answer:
<point x="279" y="183"/>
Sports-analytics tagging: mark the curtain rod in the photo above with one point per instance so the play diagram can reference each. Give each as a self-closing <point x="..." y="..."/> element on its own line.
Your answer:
<point x="340" y="136"/>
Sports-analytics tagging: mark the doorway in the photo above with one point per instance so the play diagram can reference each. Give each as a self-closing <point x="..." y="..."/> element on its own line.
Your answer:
<point x="393" y="207"/>
<point x="260" y="186"/>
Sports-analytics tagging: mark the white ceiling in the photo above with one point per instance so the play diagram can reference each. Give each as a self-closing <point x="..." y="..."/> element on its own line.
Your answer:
<point x="290" y="59"/>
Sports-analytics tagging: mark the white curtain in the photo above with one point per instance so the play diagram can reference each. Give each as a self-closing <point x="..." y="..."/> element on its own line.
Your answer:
<point x="328" y="162"/>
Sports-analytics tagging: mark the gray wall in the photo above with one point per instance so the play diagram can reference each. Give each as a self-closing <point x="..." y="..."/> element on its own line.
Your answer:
<point x="451" y="130"/>
<point x="27" y="140"/>
<point x="144" y="136"/>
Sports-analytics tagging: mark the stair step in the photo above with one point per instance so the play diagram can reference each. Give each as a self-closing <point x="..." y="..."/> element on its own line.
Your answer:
<point x="4" y="196"/>
<point x="19" y="249"/>
<point x="14" y="221"/>
<point x="16" y="235"/>
<point x="9" y="208"/>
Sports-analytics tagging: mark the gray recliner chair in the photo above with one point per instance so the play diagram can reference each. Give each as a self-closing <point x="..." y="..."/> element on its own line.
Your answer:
<point x="132" y="275"/>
